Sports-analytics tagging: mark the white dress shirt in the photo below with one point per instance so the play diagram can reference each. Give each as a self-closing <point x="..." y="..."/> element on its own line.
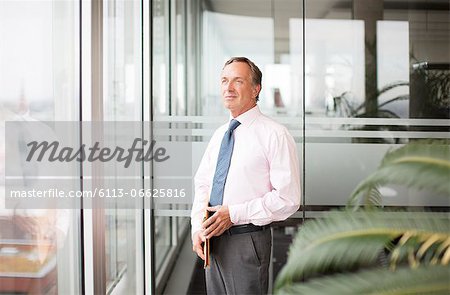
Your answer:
<point x="263" y="182"/>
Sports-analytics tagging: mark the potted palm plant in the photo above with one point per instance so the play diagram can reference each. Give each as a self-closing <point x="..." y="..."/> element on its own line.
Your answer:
<point x="368" y="249"/>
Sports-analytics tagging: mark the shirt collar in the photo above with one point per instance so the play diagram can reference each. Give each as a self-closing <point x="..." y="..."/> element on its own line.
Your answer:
<point x="249" y="116"/>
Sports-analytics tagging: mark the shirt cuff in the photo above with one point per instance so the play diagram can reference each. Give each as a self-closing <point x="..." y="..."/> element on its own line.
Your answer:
<point x="195" y="226"/>
<point x="238" y="214"/>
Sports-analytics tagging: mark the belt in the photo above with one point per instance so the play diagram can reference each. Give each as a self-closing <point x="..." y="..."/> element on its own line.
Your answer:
<point x="245" y="228"/>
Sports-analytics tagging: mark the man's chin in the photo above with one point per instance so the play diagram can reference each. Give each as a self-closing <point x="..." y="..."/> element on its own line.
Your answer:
<point x="227" y="105"/>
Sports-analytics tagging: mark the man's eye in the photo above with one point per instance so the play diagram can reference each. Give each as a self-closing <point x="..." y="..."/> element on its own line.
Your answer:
<point x="239" y="81"/>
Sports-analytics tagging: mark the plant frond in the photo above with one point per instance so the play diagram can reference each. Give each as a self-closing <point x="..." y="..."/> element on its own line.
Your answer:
<point x="424" y="165"/>
<point x="446" y="258"/>
<point x="440" y="252"/>
<point x="439" y="149"/>
<point x="418" y="249"/>
<point x="400" y="97"/>
<point x="371" y="198"/>
<point x="423" y="280"/>
<point x="386" y="114"/>
<point x="427" y="245"/>
<point x="345" y="241"/>
<point x="392" y="86"/>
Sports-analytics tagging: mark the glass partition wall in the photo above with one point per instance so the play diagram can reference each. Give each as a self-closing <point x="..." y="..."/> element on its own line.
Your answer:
<point x="350" y="79"/>
<point x="353" y="72"/>
<point x="122" y="102"/>
<point x="365" y="67"/>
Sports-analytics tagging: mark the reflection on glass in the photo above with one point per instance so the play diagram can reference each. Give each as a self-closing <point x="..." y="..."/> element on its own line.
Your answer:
<point x="161" y="74"/>
<point x="29" y="242"/>
<point x="226" y="35"/>
<point x="122" y="101"/>
<point x="168" y="79"/>
<point x="38" y="81"/>
<point x="370" y="70"/>
<point x="393" y="66"/>
<point x="162" y="240"/>
<point x="334" y="62"/>
<point x="160" y="57"/>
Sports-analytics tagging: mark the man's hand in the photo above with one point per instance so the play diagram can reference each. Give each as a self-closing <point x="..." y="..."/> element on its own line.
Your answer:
<point x="197" y="240"/>
<point x="218" y="223"/>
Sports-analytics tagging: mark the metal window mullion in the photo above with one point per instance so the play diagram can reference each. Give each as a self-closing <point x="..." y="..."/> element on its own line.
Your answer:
<point x="98" y="214"/>
<point x="172" y="47"/>
<point x="148" y="226"/>
<point x="143" y="284"/>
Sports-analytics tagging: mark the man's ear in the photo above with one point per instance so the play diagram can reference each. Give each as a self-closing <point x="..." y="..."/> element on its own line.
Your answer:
<point x="256" y="90"/>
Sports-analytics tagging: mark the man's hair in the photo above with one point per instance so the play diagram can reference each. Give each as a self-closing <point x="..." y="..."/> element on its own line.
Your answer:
<point x="254" y="70"/>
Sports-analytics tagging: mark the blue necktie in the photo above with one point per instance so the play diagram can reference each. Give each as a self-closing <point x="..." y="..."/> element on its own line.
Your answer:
<point x="223" y="164"/>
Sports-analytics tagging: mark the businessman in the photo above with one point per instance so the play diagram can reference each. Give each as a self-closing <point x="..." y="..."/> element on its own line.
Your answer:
<point x="247" y="178"/>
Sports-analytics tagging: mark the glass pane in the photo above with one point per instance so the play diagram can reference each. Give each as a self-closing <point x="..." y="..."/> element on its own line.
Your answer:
<point x="172" y="54"/>
<point x="179" y="70"/>
<point x="162" y="240"/>
<point x="123" y="102"/>
<point x="376" y="76"/>
<point x="169" y="99"/>
<point x="39" y="81"/>
<point x="269" y="35"/>
<point x="161" y="104"/>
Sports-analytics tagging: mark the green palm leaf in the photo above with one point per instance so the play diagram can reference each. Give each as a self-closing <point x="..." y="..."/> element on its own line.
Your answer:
<point x="422" y="165"/>
<point x="342" y="253"/>
<point x="400" y="97"/>
<point x="392" y="86"/>
<point x="424" y="280"/>
<point x="346" y="241"/>
<point x="372" y="198"/>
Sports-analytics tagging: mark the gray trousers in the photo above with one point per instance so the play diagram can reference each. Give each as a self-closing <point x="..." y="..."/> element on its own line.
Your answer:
<point x="239" y="263"/>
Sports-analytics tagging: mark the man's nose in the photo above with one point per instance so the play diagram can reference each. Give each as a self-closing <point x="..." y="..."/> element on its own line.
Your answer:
<point x="229" y="86"/>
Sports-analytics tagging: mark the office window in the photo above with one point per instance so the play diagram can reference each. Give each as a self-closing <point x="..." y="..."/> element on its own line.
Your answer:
<point x="174" y="95"/>
<point x="122" y="101"/>
<point x="162" y="106"/>
<point x="39" y="81"/>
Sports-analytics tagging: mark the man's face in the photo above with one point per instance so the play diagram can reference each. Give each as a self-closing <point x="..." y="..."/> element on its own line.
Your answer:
<point x="238" y="92"/>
